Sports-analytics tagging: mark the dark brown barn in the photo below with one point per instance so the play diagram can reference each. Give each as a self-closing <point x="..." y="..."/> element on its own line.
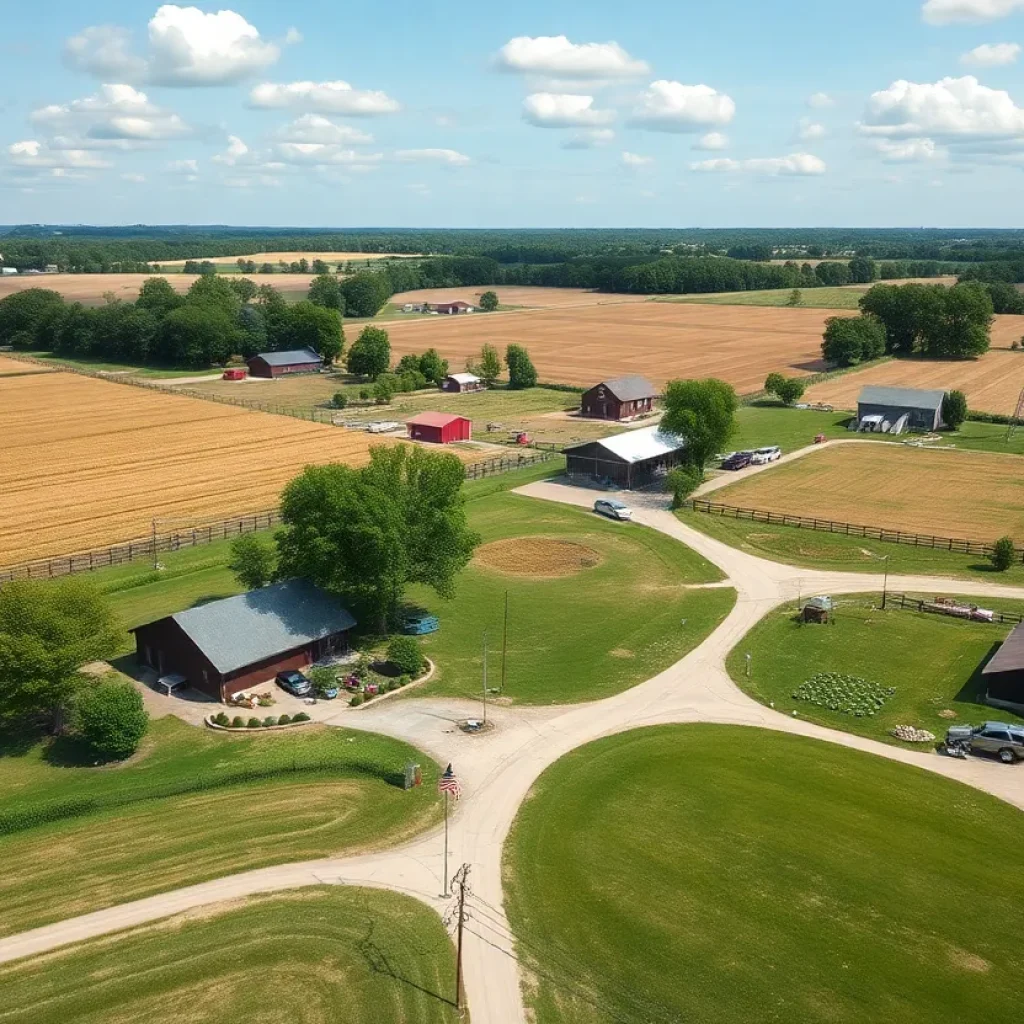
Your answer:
<point x="241" y="642"/>
<point x="281" y="364"/>
<point x="635" y="458"/>
<point x="624" y="398"/>
<point x="1004" y="674"/>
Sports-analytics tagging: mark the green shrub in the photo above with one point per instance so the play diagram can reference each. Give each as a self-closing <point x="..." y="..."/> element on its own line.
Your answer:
<point x="269" y="721"/>
<point x="254" y="723"/>
<point x="681" y="482"/>
<point x="238" y="722"/>
<point x="340" y="400"/>
<point x="301" y="717"/>
<point x="954" y="409"/>
<point x="404" y="680"/>
<point x="356" y="700"/>
<point x="221" y="719"/>
<point x="284" y="720"/>
<point x="849" y="695"/>
<point x="405" y="654"/>
<point x="111" y="718"/>
<point x="1004" y="554"/>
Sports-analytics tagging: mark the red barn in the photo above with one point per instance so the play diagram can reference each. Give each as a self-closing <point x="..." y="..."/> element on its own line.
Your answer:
<point x="281" y="364"/>
<point x="624" y="398"/>
<point x="439" y="427"/>
<point x="451" y="308"/>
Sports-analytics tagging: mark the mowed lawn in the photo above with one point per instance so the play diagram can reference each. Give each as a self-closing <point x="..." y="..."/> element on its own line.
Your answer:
<point x="729" y="874"/>
<point x="193" y="805"/>
<point x="623" y="613"/>
<point x="810" y="298"/>
<point x="933" y="661"/>
<point x="977" y="496"/>
<point x="322" y="954"/>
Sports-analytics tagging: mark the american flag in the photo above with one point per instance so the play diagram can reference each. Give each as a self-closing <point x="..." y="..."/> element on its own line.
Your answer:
<point x="448" y="783"/>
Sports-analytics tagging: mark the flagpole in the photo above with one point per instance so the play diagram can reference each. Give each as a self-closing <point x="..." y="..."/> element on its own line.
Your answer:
<point x="445" y="887"/>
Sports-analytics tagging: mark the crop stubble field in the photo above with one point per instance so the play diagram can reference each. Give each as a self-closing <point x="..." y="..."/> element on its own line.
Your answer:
<point x="972" y="495"/>
<point x="86" y="463"/>
<point x="17" y="368"/>
<point x="660" y="340"/>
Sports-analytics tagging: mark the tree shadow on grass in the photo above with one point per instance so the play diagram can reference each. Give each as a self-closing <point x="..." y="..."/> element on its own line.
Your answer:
<point x="18" y="738"/>
<point x="70" y="752"/>
<point x="379" y="963"/>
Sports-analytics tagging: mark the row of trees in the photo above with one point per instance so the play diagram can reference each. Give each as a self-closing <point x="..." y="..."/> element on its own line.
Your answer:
<point x="912" y="319"/>
<point x="217" y="318"/>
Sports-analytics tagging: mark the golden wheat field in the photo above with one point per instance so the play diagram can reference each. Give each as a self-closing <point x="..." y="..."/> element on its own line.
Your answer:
<point x="86" y="463"/>
<point x="15" y="367"/>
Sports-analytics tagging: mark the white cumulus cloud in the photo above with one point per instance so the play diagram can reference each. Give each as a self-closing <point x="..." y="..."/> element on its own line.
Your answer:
<point x="322" y="97"/>
<point x="673" y="107"/>
<point x="991" y="55"/>
<point x="563" y="110"/>
<point x="948" y="12"/>
<point x="557" y="56"/>
<point x="906" y="151"/>
<point x="796" y="164"/>
<point x="115" y="112"/>
<point x="317" y="128"/>
<point x="451" y="157"/>
<point x="953" y="109"/>
<point x="237" y="152"/>
<point x="320" y="155"/>
<point x="635" y="159"/>
<point x="187" y="47"/>
<point x="712" y="141"/>
<point x="33" y="154"/>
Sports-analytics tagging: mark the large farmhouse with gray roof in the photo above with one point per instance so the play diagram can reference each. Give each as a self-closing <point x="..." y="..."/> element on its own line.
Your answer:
<point x="241" y="642"/>
<point x="623" y="398"/>
<point x="891" y="410"/>
<point x="281" y="364"/>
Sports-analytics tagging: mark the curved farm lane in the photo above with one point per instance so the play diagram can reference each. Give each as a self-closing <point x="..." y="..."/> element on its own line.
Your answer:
<point x="498" y="768"/>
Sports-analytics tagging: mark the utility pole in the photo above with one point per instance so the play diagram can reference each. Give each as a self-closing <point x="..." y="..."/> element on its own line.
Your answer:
<point x="504" y="647"/>
<point x="460" y="881"/>
<point x="485" y="677"/>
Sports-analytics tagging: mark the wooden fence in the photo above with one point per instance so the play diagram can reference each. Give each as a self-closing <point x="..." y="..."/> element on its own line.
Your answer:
<point x="917" y="540"/>
<point x="919" y="605"/>
<point x="193" y="536"/>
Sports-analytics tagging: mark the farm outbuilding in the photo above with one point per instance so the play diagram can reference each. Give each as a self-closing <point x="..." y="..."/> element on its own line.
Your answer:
<point x="439" y="427"/>
<point x="892" y="410"/>
<point x="460" y="382"/>
<point x="450" y="308"/>
<point x="623" y="398"/>
<point x="632" y="459"/>
<point x="282" y="364"/>
<point x="241" y="642"/>
<point x="1004" y="674"/>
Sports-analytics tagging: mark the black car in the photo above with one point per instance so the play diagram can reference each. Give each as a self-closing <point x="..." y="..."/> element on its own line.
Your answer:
<point x="738" y="460"/>
<point x="295" y="683"/>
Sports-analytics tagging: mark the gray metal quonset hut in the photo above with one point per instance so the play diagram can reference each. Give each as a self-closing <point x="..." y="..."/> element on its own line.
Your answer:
<point x="900" y="408"/>
<point x="280" y="364"/>
<point x="632" y="459"/>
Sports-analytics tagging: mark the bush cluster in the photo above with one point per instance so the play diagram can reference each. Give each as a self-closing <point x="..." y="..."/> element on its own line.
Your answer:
<point x="846" y="694"/>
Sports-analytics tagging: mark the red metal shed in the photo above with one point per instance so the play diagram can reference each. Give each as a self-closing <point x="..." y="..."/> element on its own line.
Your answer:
<point x="439" y="427"/>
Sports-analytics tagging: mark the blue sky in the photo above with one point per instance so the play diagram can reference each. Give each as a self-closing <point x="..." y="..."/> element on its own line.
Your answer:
<point x="736" y="113"/>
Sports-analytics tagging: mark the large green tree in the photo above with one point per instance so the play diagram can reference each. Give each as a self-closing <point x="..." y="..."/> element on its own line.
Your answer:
<point x="197" y="334"/>
<point x="253" y="560"/>
<point x="158" y="297"/>
<point x="111" y="717"/>
<point x="370" y="354"/>
<point x="23" y="313"/>
<point x="849" y="340"/>
<point x="318" y="328"/>
<point x="490" y="365"/>
<point x="48" y="630"/>
<point x="521" y="371"/>
<point x="703" y="412"/>
<point x="325" y="290"/>
<point x="364" y="294"/>
<point x="366" y="534"/>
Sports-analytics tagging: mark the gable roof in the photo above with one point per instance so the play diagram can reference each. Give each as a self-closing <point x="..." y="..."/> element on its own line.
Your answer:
<point x="434" y="419"/>
<point x="909" y="398"/>
<point x="242" y="630"/>
<point x="629" y="388"/>
<point x="296" y="355"/>
<point x="636" y="445"/>
<point x="464" y="378"/>
<point x="1010" y="656"/>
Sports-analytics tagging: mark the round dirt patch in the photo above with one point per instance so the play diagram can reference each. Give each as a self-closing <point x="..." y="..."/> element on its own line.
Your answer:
<point x="537" y="556"/>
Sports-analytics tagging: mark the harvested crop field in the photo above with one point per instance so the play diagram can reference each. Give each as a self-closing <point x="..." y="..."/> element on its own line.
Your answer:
<point x="525" y="296"/>
<point x="90" y="289"/>
<point x="87" y="463"/>
<point x="660" y="340"/>
<point x="537" y="556"/>
<point x="970" y="495"/>
<point x="991" y="383"/>
<point x="16" y="368"/>
<point x="288" y="257"/>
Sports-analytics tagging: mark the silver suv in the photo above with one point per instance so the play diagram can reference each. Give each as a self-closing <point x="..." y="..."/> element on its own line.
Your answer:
<point x="991" y="737"/>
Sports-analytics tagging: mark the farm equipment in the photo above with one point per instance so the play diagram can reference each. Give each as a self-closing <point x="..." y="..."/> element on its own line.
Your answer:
<point x="820" y="439"/>
<point x="235" y="373"/>
<point x="520" y="437"/>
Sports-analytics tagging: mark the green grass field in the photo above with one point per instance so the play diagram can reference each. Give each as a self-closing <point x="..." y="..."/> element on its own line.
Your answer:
<point x="578" y="637"/>
<point x="766" y="422"/>
<point x="105" y="366"/>
<point x="812" y="298"/>
<point x="359" y="956"/>
<point x="730" y="874"/>
<point x="189" y="807"/>
<point x="933" y="661"/>
<point x="817" y="550"/>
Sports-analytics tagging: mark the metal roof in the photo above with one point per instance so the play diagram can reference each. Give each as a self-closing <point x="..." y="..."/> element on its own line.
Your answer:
<point x="434" y="419"/>
<point x="910" y="398"/>
<point x="1010" y="656"/>
<point x="243" y="630"/>
<point x="629" y="389"/>
<point x="298" y="355"/>
<point x="464" y="378"/>
<point x="638" y="445"/>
